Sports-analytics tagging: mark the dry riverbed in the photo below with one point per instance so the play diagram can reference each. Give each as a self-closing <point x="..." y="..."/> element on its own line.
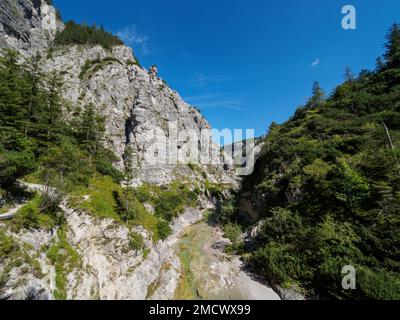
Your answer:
<point x="210" y="274"/>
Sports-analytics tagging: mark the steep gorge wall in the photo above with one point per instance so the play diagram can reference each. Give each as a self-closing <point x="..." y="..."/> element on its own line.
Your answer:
<point x="139" y="110"/>
<point x="134" y="105"/>
<point x="21" y="26"/>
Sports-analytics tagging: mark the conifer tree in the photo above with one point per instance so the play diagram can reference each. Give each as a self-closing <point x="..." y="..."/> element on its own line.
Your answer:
<point x="52" y="113"/>
<point x="318" y="95"/>
<point x="348" y="74"/>
<point x="33" y="96"/>
<point x="90" y="130"/>
<point x="11" y="88"/>
<point x="380" y="64"/>
<point x="128" y="165"/>
<point x="392" y="55"/>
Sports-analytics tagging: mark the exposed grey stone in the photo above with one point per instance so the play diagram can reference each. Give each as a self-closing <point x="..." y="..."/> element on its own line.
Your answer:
<point x="21" y="26"/>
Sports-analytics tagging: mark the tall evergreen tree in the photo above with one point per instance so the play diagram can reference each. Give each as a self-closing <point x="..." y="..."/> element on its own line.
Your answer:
<point x="128" y="165"/>
<point x="318" y="95"/>
<point x="51" y="116"/>
<point x="11" y="89"/>
<point x="392" y="55"/>
<point x="33" y="98"/>
<point x="380" y="64"/>
<point x="348" y="74"/>
<point x="90" y="130"/>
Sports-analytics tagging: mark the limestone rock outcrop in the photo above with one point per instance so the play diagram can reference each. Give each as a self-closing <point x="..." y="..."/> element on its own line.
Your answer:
<point x="21" y="26"/>
<point x="141" y="110"/>
<point x="106" y="267"/>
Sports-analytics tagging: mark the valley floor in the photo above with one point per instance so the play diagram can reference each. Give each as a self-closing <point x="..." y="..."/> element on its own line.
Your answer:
<point x="210" y="274"/>
<point x="191" y="263"/>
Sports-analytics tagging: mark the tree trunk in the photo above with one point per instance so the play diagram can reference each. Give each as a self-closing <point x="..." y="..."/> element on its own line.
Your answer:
<point x="388" y="136"/>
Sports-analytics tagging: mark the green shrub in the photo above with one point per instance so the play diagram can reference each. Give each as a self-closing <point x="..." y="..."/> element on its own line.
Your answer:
<point x="169" y="205"/>
<point x="106" y="168"/>
<point x="163" y="229"/>
<point x="170" y="202"/>
<point x="65" y="259"/>
<point x="226" y="211"/>
<point x="133" y="212"/>
<point x="232" y="232"/>
<point x="146" y="253"/>
<point x="136" y="241"/>
<point x="33" y="216"/>
<point x="378" y="284"/>
<point x="276" y="262"/>
<point x="214" y="189"/>
<point x="142" y="194"/>
<point x="283" y="225"/>
<point x="91" y="67"/>
<point x="7" y="245"/>
<point x="101" y="200"/>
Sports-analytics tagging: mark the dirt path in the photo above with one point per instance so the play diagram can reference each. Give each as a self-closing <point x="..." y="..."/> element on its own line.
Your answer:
<point x="11" y="213"/>
<point x="31" y="187"/>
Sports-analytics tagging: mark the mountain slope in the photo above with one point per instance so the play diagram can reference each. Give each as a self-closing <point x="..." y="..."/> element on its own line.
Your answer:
<point x="139" y="111"/>
<point x="78" y="116"/>
<point x="326" y="189"/>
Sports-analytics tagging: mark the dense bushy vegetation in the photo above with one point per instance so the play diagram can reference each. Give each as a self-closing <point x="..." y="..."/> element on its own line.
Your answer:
<point x="168" y="201"/>
<point x="64" y="258"/>
<point x="35" y="139"/>
<point x="327" y="187"/>
<point x="82" y="34"/>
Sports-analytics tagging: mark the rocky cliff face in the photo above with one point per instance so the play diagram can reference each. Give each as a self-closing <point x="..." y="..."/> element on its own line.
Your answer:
<point x="95" y="261"/>
<point x="21" y="26"/>
<point x="141" y="111"/>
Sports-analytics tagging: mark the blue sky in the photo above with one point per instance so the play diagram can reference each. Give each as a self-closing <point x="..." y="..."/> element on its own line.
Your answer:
<point x="244" y="63"/>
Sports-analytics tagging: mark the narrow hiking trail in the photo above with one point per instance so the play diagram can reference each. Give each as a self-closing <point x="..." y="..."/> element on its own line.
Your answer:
<point x="11" y="212"/>
<point x="30" y="187"/>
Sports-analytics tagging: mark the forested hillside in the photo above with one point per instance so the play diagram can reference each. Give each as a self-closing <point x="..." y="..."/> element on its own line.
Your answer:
<point x="34" y="132"/>
<point x="327" y="189"/>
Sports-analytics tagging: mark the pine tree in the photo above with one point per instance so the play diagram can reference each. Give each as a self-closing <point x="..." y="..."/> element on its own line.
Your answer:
<point x="90" y="130"/>
<point x="11" y="90"/>
<point x="392" y="56"/>
<point x="380" y="64"/>
<point x="33" y="96"/>
<point x="128" y="165"/>
<point x="318" y="95"/>
<point x="52" y="115"/>
<point x="348" y="74"/>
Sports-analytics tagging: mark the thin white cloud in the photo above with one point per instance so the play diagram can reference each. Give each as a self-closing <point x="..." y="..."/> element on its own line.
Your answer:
<point x="201" y="98"/>
<point x="201" y="80"/>
<point x="131" y="37"/>
<point x="222" y="104"/>
<point x="315" y="63"/>
<point x="214" y="101"/>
